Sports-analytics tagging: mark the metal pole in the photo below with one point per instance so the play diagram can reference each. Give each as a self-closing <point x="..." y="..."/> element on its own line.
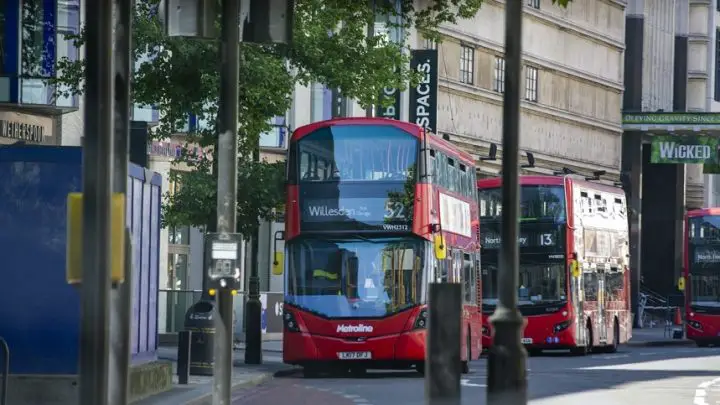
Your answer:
<point x="97" y="186"/>
<point x="442" y="374"/>
<point x="227" y="155"/>
<point x="253" y="308"/>
<point x="507" y="383"/>
<point x="6" y="371"/>
<point x="369" y="111"/>
<point x="121" y="295"/>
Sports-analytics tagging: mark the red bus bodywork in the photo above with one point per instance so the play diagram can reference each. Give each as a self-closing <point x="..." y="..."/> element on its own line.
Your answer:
<point x="702" y="321"/>
<point x="396" y="340"/>
<point x="568" y="325"/>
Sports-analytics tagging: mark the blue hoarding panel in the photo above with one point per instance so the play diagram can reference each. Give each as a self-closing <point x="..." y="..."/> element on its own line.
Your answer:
<point x="39" y="311"/>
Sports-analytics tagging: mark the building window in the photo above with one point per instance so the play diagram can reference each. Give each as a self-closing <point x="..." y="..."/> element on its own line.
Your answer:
<point x="68" y="23"/>
<point x="499" y="79"/>
<point x="534" y="3"/>
<point x="467" y="64"/>
<point x="30" y="54"/>
<point x="179" y="235"/>
<point x="717" y="65"/>
<point x="531" y="83"/>
<point x="275" y="137"/>
<point x="430" y="44"/>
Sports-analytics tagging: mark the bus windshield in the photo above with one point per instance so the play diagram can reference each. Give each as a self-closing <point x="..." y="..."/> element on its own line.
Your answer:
<point x="356" y="278"/>
<point x="704" y="257"/>
<point x="541" y="281"/>
<point x="536" y="203"/>
<point x="357" y="153"/>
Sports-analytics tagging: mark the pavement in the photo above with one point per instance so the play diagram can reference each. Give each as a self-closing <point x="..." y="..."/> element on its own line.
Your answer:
<point x="656" y="337"/>
<point x="652" y="364"/>
<point x="198" y="391"/>
<point x="660" y="375"/>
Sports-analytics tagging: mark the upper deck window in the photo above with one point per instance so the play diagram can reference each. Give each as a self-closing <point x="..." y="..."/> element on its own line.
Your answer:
<point x="536" y="203"/>
<point x="452" y="174"/>
<point x="357" y="153"/>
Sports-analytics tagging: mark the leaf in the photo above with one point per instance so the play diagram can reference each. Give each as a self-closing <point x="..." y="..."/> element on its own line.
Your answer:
<point x="180" y="76"/>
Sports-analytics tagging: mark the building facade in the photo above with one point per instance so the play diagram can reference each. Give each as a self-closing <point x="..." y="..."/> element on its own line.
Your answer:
<point x="32" y="39"/>
<point x="572" y="76"/>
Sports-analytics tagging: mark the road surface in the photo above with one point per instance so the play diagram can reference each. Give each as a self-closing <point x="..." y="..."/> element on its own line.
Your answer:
<point x="633" y="375"/>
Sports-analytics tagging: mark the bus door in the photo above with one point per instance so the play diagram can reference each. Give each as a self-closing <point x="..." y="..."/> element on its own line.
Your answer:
<point x="577" y="297"/>
<point x="600" y="318"/>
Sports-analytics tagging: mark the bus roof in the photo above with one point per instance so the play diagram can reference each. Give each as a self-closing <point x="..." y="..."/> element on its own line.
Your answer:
<point x="545" y="180"/>
<point x="411" y="128"/>
<point x="304" y="130"/>
<point x="539" y="180"/>
<point x="701" y="212"/>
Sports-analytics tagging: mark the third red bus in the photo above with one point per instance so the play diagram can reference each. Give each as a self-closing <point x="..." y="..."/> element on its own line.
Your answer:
<point x="573" y="288"/>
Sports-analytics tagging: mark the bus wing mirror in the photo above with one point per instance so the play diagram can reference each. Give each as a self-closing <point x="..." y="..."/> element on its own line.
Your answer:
<point x="440" y="248"/>
<point x="278" y="264"/>
<point x="278" y="256"/>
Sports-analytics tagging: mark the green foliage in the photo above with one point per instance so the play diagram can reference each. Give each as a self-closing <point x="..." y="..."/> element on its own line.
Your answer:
<point x="260" y="185"/>
<point x="181" y="76"/>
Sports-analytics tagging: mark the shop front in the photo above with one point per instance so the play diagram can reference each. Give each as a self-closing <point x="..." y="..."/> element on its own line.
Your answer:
<point x="27" y="128"/>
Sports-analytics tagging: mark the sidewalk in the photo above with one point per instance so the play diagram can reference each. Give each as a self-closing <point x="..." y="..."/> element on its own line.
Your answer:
<point x="199" y="388"/>
<point x="274" y="346"/>
<point x="656" y="337"/>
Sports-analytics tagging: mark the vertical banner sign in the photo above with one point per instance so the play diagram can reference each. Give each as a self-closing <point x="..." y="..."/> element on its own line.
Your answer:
<point x="391" y="97"/>
<point x="423" y="97"/>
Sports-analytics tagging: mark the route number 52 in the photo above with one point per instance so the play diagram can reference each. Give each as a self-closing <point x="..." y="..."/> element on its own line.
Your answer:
<point x="394" y="210"/>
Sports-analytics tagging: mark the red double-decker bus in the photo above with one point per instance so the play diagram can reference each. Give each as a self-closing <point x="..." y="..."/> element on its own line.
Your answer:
<point x="574" y="282"/>
<point x="702" y="272"/>
<point x="376" y="210"/>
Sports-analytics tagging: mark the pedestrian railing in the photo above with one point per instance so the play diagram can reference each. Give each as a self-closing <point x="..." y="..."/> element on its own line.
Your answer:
<point x="6" y="371"/>
<point x="173" y="305"/>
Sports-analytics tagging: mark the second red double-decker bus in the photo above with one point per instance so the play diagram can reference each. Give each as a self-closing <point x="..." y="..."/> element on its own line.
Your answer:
<point x="573" y="288"/>
<point x="377" y="209"/>
<point x="702" y="272"/>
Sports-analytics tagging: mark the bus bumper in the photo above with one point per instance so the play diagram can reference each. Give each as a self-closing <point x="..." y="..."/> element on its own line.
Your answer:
<point x="401" y="350"/>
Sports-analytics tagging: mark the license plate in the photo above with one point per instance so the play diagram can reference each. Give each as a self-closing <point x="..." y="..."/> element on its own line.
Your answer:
<point x="526" y="341"/>
<point x="354" y="355"/>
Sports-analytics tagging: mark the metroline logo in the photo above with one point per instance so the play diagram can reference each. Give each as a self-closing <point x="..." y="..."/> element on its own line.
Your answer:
<point x="361" y="328"/>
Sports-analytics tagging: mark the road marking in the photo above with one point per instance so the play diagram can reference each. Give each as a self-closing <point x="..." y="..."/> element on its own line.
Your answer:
<point x="701" y="391"/>
<point x="648" y="354"/>
<point x="467" y="383"/>
<point x="615" y="356"/>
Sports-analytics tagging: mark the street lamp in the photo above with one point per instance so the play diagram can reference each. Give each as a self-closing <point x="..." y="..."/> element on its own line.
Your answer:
<point x="507" y="382"/>
<point x="267" y="21"/>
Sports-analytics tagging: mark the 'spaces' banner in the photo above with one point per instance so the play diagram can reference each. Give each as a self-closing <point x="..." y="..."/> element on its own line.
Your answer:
<point x="423" y="97"/>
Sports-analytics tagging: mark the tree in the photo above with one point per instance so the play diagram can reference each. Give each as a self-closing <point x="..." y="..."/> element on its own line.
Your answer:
<point x="331" y="46"/>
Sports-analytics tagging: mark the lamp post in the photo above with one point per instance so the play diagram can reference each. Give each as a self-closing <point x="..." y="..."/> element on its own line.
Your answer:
<point x="507" y="381"/>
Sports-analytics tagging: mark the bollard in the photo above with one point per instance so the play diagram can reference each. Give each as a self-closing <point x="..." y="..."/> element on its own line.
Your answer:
<point x="442" y="358"/>
<point x="6" y="370"/>
<point x="183" y="362"/>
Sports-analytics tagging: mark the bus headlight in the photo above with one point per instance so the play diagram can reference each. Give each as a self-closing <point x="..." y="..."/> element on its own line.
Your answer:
<point x="559" y="327"/>
<point x="291" y="324"/>
<point x="421" y="320"/>
<point x="695" y="325"/>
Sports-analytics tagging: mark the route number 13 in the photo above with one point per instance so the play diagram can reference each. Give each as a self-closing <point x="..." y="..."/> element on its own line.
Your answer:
<point x="546" y="239"/>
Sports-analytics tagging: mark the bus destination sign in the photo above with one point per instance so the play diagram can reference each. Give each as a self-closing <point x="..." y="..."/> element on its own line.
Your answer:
<point x="382" y="214"/>
<point x="536" y="238"/>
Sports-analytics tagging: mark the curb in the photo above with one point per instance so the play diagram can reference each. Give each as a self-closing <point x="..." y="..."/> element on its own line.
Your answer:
<point x="262" y="378"/>
<point x="287" y="372"/>
<point x="661" y="343"/>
